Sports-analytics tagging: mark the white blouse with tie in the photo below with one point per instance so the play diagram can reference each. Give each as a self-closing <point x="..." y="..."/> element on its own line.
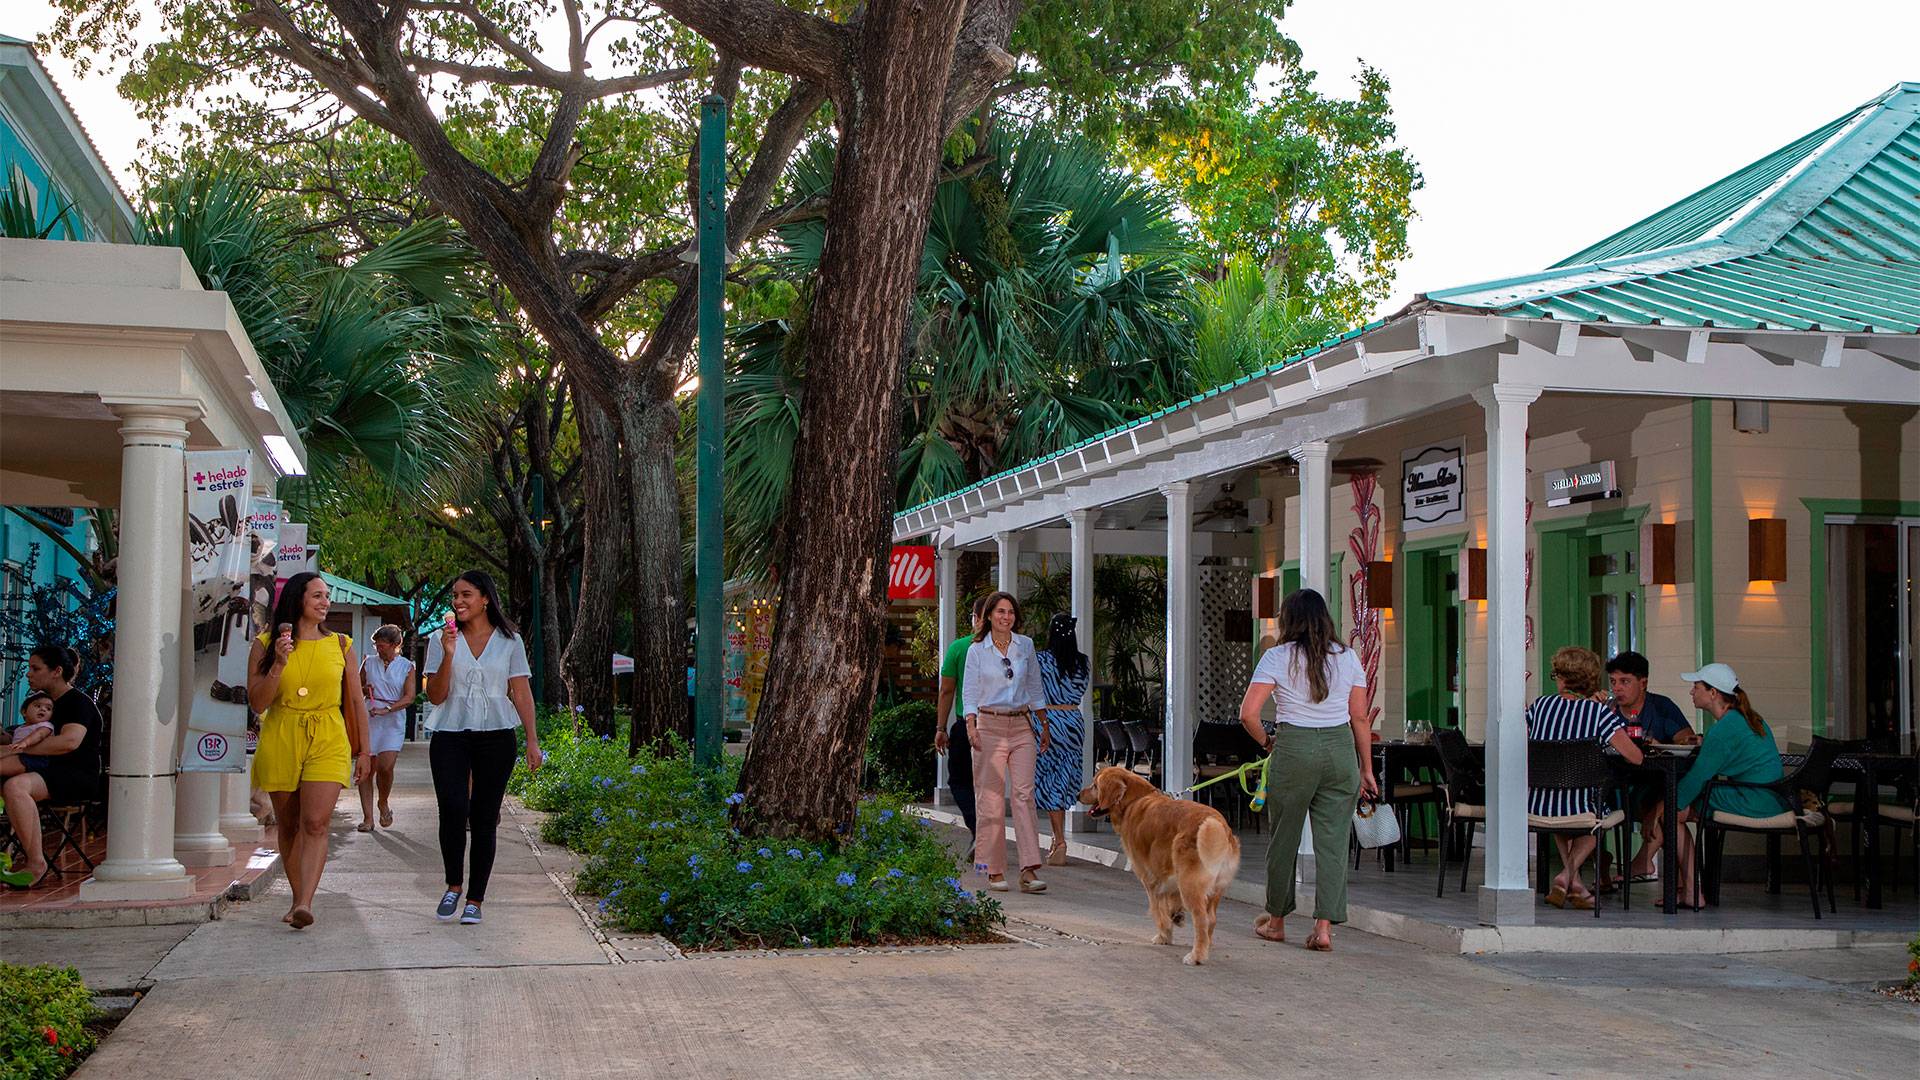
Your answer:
<point x="1004" y="682"/>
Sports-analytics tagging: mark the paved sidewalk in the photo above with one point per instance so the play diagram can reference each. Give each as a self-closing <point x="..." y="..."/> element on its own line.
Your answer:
<point x="379" y="988"/>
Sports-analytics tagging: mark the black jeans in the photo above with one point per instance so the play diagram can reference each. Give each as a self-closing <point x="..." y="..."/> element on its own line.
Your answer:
<point x="960" y="770"/>
<point x="483" y="759"/>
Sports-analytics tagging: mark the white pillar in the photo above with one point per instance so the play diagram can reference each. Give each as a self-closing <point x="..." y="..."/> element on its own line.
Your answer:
<point x="1009" y="545"/>
<point x="147" y="649"/>
<point x="1080" y="533"/>
<point x="946" y="565"/>
<point x="197" y="839"/>
<point x="1506" y="898"/>
<point x="1316" y="494"/>
<point x="236" y="809"/>
<point x="1182" y="614"/>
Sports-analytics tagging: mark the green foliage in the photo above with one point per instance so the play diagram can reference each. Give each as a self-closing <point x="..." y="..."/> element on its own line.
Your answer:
<point x="1051" y="306"/>
<point x="1129" y="623"/>
<point x="376" y="536"/>
<point x="659" y="845"/>
<point x="1312" y="187"/>
<point x="381" y="363"/>
<point x="43" y="1028"/>
<point x="899" y="750"/>
<point x="1913" y="961"/>
<point x="21" y="218"/>
<point x="9" y="876"/>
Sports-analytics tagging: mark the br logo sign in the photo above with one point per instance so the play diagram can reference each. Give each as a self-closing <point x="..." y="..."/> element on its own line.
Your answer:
<point x="910" y="574"/>
<point x="213" y="747"/>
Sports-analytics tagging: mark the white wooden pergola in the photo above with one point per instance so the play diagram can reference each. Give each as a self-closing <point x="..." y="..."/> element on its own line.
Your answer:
<point x="1424" y="360"/>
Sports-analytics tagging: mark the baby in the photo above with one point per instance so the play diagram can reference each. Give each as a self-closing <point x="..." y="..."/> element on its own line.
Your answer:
<point x="36" y="716"/>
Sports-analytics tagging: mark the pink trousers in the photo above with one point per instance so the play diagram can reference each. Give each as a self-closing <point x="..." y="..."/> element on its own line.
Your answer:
<point x="1006" y="752"/>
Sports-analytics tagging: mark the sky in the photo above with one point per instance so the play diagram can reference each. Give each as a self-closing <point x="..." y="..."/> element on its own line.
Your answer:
<point x="1540" y="126"/>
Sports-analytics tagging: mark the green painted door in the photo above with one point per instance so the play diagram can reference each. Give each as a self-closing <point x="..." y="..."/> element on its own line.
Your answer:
<point x="1432" y="629"/>
<point x="1612" y="600"/>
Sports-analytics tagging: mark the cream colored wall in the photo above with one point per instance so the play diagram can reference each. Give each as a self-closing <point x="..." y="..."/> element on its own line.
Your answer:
<point x="1847" y="452"/>
<point x="1649" y="439"/>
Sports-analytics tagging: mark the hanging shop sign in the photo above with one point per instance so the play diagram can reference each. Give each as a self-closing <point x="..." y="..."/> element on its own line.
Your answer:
<point x="1433" y="486"/>
<point x="1582" y="483"/>
<point x="219" y="549"/>
<point x="910" y="573"/>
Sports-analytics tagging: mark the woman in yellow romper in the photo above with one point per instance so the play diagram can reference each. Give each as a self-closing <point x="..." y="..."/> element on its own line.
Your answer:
<point x="313" y="735"/>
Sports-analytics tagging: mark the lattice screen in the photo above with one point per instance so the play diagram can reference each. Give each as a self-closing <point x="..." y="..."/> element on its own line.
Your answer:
<point x="1222" y="666"/>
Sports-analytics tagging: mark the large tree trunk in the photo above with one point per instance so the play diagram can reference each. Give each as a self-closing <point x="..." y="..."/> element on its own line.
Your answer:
<point x="651" y="423"/>
<point x="588" y="663"/>
<point x="803" y="767"/>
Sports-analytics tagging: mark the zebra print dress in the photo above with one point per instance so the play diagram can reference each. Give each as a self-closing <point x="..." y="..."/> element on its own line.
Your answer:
<point x="1552" y="718"/>
<point x="1056" y="776"/>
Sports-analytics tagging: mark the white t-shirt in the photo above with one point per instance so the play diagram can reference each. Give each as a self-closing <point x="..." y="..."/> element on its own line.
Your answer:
<point x="1293" y="694"/>
<point x="477" y="696"/>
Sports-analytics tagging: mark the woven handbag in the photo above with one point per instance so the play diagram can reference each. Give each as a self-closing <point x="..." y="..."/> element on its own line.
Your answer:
<point x="1375" y="825"/>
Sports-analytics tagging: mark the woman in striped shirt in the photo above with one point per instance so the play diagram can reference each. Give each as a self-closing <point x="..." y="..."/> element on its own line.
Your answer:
<point x="1578" y="711"/>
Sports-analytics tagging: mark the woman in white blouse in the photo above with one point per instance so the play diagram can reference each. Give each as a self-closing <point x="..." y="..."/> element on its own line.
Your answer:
<point x="387" y="679"/>
<point x="1005" y="706"/>
<point x="477" y="679"/>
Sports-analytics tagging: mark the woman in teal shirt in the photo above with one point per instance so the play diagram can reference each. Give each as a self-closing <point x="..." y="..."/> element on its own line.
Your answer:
<point x="1739" y="747"/>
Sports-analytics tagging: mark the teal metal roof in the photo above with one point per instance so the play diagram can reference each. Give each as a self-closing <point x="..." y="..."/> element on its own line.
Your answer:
<point x="1822" y="234"/>
<point x="352" y="592"/>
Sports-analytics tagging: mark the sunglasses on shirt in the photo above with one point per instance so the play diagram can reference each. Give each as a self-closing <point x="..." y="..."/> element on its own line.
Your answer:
<point x="1007" y="662"/>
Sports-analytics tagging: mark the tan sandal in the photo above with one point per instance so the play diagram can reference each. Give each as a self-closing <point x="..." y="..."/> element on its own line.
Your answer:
<point x="1032" y="884"/>
<point x="1057" y="854"/>
<point x="1320" y="942"/>
<point x="1265" y="922"/>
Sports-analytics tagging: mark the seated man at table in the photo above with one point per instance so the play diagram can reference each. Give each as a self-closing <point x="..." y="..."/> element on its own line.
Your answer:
<point x="1659" y="720"/>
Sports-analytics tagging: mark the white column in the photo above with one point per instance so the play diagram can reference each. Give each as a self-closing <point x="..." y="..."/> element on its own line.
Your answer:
<point x="1182" y="614"/>
<point x="236" y="809"/>
<point x="1009" y="544"/>
<point x="1506" y="898"/>
<point x="1080" y="533"/>
<point x="197" y="839"/>
<point x="148" y="652"/>
<point x="1316" y="494"/>
<point x="946" y="565"/>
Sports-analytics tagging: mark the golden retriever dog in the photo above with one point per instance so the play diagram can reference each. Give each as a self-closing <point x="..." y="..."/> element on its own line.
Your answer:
<point x="1182" y="851"/>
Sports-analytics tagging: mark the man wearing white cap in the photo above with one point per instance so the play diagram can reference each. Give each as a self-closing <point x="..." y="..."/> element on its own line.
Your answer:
<point x="1738" y="746"/>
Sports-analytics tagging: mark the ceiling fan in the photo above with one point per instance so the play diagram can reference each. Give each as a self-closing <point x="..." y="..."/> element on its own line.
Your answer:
<point x="1225" y="508"/>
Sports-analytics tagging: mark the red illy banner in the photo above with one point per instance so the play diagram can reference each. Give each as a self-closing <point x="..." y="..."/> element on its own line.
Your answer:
<point x="910" y="573"/>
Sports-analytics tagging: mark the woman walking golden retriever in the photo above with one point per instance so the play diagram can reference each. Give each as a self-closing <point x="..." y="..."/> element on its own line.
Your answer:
<point x="1321" y="761"/>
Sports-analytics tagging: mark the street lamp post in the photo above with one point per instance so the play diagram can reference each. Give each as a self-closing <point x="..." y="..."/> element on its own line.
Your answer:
<point x="710" y="685"/>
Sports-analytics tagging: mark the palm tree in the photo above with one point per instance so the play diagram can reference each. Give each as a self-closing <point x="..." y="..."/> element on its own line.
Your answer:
<point x="1051" y="307"/>
<point x="1245" y="321"/>
<point x="381" y="362"/>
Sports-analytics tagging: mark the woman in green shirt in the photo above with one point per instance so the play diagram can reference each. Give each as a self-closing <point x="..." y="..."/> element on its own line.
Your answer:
<point x="1739" y="747"/>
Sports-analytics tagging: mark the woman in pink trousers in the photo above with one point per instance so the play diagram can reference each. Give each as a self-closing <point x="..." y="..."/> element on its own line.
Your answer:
<point x="1005" y="706"/>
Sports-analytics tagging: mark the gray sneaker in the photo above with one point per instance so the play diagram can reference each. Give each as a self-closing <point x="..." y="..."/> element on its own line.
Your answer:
<point x="471" y="915"/>
<point x="449" y="904"/>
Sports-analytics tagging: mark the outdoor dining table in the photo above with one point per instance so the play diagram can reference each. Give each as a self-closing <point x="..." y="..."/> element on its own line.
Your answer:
<point x="1397" y="759"/>
<point x="1868" y="772"/>
<point x="1670" y="766"/>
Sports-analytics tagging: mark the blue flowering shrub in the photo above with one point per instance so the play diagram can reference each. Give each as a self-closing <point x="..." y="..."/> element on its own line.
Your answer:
<point x="658" y="846"/>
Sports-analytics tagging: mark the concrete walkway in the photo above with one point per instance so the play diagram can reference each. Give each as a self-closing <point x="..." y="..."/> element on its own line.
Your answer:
<point x="379" y="988"/>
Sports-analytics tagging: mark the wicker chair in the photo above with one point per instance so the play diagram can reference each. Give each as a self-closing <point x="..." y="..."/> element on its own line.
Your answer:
<point x="1573" y="765"/>
<point x="1463" y="801"/>
<point x="1898" y="815"/>
<point x="1808" y="783"/>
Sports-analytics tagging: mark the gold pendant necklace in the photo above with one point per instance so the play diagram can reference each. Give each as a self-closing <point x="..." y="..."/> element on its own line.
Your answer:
<point x="307" y="669"/>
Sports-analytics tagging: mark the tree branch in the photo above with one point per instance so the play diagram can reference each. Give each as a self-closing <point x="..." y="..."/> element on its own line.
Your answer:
<point x="485" y="551"/>
<point x="769" y="35"/>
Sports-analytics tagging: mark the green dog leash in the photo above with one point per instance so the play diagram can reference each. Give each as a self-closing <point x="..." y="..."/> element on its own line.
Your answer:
<point x="1257" y="791"/>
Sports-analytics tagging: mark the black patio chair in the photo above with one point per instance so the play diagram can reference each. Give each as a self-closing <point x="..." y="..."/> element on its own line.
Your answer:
<point x="1898" y="815"/>
<point x="1463" y="801"/>
<point x="1576" y="765"/>
<point x="1144" y="747"/>
<point x="1803" y="801"/>
<point x="1119" y="747"/>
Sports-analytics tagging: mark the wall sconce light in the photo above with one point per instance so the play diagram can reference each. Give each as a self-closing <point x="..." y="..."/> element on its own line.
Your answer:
<point x="1657" y="546"/>
<point x="1266" y="598"/>
<point x="1380" y="584"/>
<point x="1767" y="549"/>
<point x="1750" y="417"/>
<point x="1474" y="561"/>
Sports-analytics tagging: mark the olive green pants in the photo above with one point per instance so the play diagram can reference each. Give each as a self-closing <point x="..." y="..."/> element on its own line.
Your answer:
<point x="1313" y="775"/>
